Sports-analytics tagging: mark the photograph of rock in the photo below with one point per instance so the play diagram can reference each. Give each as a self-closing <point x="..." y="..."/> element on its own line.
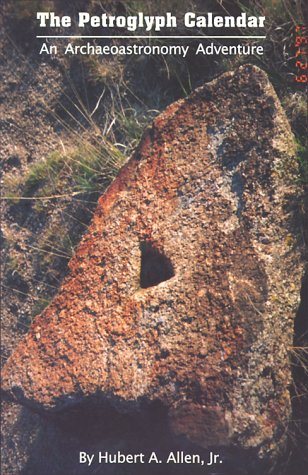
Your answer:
<point x="154" y="315"/>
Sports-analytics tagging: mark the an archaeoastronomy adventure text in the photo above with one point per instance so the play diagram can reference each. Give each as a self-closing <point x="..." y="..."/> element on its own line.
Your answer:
<point x="203" y="48"/>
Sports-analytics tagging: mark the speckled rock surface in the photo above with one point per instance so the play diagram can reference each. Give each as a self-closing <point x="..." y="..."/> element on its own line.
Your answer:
<point x="185" y="287"/>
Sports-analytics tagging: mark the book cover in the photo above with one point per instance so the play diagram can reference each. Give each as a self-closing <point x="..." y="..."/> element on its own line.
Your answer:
<point x="154" y="313"/>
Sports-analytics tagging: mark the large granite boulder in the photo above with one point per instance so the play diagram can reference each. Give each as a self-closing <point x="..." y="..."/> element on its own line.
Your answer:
<point x="185" y="287"/>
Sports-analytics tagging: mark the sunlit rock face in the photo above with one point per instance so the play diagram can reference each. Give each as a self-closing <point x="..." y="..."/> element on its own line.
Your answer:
<point x="184" y="289"/>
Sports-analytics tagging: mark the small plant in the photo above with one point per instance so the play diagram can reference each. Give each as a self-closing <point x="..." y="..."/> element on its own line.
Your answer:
<point x="40" y="305"/>
<point x="84" y="169"/>
<point x="302" y="157"/>
<point x="104" y="72"/>
<point x="11" y="264"/>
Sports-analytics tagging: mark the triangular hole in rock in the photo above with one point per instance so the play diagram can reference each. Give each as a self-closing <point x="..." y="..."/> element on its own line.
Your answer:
<point x="155" y="266"/>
